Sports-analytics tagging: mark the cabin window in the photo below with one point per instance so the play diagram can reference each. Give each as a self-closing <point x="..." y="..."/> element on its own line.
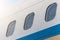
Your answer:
<point x="51" y="12"/>
<point x="29" y="21"/>
<point x="11" y="28"/>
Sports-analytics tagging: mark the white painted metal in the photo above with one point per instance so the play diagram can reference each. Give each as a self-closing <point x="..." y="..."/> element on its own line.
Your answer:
<point x="18" y="9"/>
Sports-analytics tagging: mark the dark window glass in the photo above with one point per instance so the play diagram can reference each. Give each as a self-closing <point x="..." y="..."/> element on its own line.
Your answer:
<point x="11" y="28"/>
<point x="28" y="21"/>
<point x="51" y="12"/>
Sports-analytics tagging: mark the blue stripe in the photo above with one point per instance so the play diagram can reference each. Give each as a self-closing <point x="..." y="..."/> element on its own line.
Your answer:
<point x="41" y="35"/>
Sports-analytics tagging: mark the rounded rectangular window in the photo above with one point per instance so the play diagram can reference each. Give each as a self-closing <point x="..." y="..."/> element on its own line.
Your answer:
<point x="11" y="28"/>
<point x="29" y="21"/>
<point x="51" y="12"/>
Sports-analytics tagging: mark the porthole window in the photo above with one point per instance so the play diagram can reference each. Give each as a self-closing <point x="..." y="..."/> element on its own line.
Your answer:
<point x="11" y="27"/>
<point x="29" y="21"/>
<point x="51" y="12"/>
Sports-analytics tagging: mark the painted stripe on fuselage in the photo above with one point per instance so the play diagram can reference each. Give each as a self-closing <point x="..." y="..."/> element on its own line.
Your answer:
<point x="44" y="34"/>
